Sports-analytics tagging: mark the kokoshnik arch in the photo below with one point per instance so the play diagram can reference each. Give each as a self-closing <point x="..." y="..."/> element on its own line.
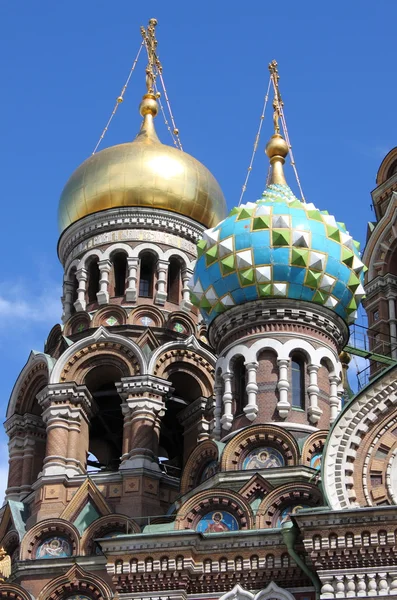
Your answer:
<point x="182" y="434"/>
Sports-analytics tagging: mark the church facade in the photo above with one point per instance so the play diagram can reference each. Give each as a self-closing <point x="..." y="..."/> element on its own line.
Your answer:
<point x="184" y="434"/>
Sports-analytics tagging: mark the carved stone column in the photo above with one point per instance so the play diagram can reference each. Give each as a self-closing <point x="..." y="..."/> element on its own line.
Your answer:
<point x="334" y="401"/>
<point x="67" y="300"/>
<point x="283" y="405"/>
<point x="217" y="430"/>
<point x="143" y="406"/>
<point x="251" y="410"/>
<point x="131" y="292"/>
<point x="82" y="276"/>
<point x="104" y="269"/>
<point x="196" y="427"/>
<point x="227" y="417"/>
<point x="162" y="271"/>
<point x="186" y="305"/>
<point x="26" y="450"/>
<point x="67" y="408"/>
<point x="314" y="411"/>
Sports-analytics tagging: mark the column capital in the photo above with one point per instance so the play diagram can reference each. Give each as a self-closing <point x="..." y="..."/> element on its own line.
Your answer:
<point x="105" y="264"/>
<point x="251" y="365"/>
<point x="283" y="362"/>
<point x="138" y="386"/>
<point x="59" y="396"/>
<point x="82" y="273"/>
<point x="132" y="261"/>
<point x="312" y="368"/>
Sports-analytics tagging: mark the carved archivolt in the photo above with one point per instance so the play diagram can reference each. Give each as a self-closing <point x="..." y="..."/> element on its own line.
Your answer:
<point x="79" y="322"/>
<point x="383" y="171"/>
<point x="202" y="503"/>
<point x="33" y="378"/>
<point x="13" y="591"/>
<point x="141" y="312"/>
<point x="253" y="437"/>
<point x="200" y="457"/>
<point x="110" y="316"/>
<point x="359" y="466"/>
<point x="289" y="495"/>
<point x="188" y="361"/>
<point x="46" y="529"/>
<point x="104" y="526"/>
<point x="313" y="445"/>
<point x="76" y="581"/>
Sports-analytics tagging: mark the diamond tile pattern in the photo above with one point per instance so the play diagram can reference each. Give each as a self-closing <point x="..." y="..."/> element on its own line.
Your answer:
<point x="278" y="247"/>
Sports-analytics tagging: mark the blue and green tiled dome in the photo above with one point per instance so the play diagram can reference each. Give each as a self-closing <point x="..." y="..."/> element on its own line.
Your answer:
<point x="278" y="247"/>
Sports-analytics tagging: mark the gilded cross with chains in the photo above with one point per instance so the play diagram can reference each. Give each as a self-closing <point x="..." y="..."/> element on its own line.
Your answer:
<point x="154" y="65"/>
<point x="277" y="102"/>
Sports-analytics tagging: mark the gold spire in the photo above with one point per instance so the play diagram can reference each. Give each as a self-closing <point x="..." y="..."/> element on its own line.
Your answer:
<point x="277" y="147"/>
<point x="149" y="107"/>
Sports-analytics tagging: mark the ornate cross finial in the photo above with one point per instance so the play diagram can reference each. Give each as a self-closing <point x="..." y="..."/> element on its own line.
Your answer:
<point x="154" y="65"/>
<point x="277" y="102"/>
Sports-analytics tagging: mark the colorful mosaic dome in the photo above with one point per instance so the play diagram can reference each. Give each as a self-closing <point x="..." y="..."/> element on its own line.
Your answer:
<point x="278" y="247"/>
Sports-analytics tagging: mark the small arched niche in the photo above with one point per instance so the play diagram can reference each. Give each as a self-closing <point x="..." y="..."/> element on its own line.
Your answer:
<point x="93" y="276"/>
<point x="297" y="374"/>
<point x="239" y="385"/>
<point x="106" y="427"/>
<point x="146" y="274"/>
<point x="174" y="282"/>
<point x="174" y="445"/>
<point x="119" y="274"/>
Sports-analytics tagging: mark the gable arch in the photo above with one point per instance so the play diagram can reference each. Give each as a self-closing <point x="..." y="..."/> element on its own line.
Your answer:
<point x="147" y="247"/>
<point x="38" y="367"/>
<point x="45" y="529"/>
<point x="100" y="342"/>
<point x="255" y="436"/>
<point x="114" y="248"/>
<point x="201" y="455"/>
<point x="104" y="525"/>
<point x="76" y="581"/>
<point x="97" y="253"/>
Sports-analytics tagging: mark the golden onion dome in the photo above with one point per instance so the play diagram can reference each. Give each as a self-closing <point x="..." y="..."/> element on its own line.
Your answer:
<point x="143" y="173"/>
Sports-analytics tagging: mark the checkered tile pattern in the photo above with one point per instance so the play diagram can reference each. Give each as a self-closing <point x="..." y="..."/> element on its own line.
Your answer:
<point x="278" y="247"/>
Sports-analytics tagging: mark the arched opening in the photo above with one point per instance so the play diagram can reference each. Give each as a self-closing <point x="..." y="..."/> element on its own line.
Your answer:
<point x="239" y="385"/>
<point x="146" y="275"/>
<point x="297" y="382"/>
<point x="93" y="277"/>
<point x="172" y="444"/>
<point x="119" y="260"/>
<point x="174" y="281"/>
<point x="106" y="427"/>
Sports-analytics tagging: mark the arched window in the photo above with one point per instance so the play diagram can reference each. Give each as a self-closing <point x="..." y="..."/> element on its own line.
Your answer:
<point x="93" y="276"/>
<point x="298" y="382"/>
<point x="207" y="565"/>
<point x="106" y="427"/>
<point x="119" y="261"/>
<point x="239" y="385"/>
<point x="146" y="275"/>
<point x="174" y="281"/>
<point x="223" y="564"/>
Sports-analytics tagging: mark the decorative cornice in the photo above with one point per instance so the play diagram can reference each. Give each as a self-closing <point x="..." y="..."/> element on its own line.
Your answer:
<point x="125" y="218"/>
<point x="240" y="320"/>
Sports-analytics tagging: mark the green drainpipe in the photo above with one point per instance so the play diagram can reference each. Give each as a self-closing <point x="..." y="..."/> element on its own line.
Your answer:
<point x="289" y="531"/>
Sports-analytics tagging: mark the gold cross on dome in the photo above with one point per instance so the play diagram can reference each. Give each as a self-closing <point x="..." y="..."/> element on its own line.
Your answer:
<point x="154" y="65"/>
<point x="277" y="102"/>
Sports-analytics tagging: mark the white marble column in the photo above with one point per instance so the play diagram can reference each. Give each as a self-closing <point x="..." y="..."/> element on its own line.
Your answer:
<point x="217" y="430"/>
<point x="131" y="291"/>
<point x="186" y="303"/>
<point x="82" y="276"/>
<point x="251" y="409"/>
<point x="104" y="269"/>
<point x="162" y="272"/>
<point x="393" y="327"/>
<point x="314" y="411"/>
<point x="227" y="417"/>
<point x="334" y="400"/>
<point x="283" y="405"/>
<point x="67" y="300"/>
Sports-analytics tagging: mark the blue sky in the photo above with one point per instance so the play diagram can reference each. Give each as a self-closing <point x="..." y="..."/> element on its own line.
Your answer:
<point x="64" y="63"/>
